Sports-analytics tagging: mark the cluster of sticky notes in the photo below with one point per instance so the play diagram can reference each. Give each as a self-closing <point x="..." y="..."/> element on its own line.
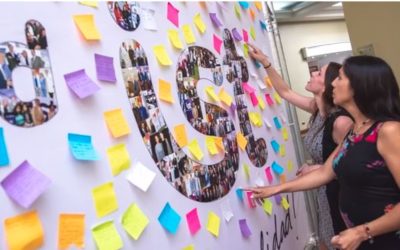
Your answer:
<point x="116" y="123"/>
<point x="242" y="141"/>
<point x="25" y="184"/>
<point x="169" y="219"/>
<point x="4" y="160"/>
<point x="134" y="221"/>
<point x="193" y="222"/>
<point x="164" y="91"/>
<point x="81" y="147"/>
<point x="80" y="83"/>
<point x="24" y="231"/>
<point x="244" y="228"/>
<point x="106" y="236"/>
<point x="71" y="230"/>
<point x="87" y="26"/>
<point x="104" y="199"/>
<point x="213" y="223"/>
<point x="141" y="176"/>
<point x="195" y="149"/>
<point x="105" y="68"/>
<point x="119" y="159"/>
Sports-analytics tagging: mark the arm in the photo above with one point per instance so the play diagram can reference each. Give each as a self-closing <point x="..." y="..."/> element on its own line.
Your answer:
<point x="341" y="127"/>
<point x="282" y="88"/>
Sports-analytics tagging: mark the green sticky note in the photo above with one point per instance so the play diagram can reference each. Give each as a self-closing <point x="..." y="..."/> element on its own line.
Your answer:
<point x="267" y="206"/>
<point x="107" y="237"/>
<point x="134" y="221"/>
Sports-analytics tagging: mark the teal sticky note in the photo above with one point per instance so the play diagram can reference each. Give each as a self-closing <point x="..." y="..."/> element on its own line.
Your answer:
<point x="169" y="219"/>
<point x="277" y="168"/>
<point x="81" y="147"/>
<point x="277" y="123"/>
<point x="239" y="193"/>
<point x="263" y="25"/>
<point x="275" y="146"/>
<point x="244" y="4"/>
<point x="4" y="160"/>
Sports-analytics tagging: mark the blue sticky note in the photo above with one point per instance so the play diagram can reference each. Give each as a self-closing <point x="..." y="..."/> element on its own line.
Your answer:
<point x="258" y="65"/>
<point x="277" y="123"/>
<point x="81" y="147"/>
<point x="263" y="25"/>
<point x="244" y="4"/>
<point x="277" y="168"/>
<point x="169" y="219"/>
<point x="4" y="160"/>
<point x="278" y="199"/>
<point x="275" y="146"/>
<point x="239" y="193"/>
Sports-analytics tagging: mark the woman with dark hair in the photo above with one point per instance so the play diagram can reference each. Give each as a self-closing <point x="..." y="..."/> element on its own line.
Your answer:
<point x="366" y="163"/>
<point x="326" y="129"/>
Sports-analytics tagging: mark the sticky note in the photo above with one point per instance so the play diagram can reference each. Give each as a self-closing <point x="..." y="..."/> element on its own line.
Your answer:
<point x="244" y="4"/>
<point x="245" y="36"/>
<point x="217" y="43"/>
<point x="118" y="158"/>
<point x="285" y="203"/>
<point x="106" y="236"/>
<point x="116" y="123"/>
<point x="198" y="21"/>
<point x="267" y="206"/>
<point x="277" y="98"/>
<point x="173" y="36"/>
<point x="252" y="33"/>
<point x="24" y="231"/>
<point x="246" y="50"/>
<point x="211" y="146"/>
<point x="254" y="99"/>
<point x="261" y="103"/>
<point x="250" y="200"/>
<point x="277" y="168"/>
<point x="180" y="135"/>
<point x="237" y="11"/>
<point x="256" y="118"/>
<point x="81" y="147"/>
<point x="216" y="22"/>
<point x="283" y="118"/>
<point x="236" y="35"/>
<point x="268" y="174"/>
<point x="213" y="223"/>
<point x="164" y="91"/>
<point x="252" y="14"/>
<point x="282" y="178"/>
<point x="148" y="19"/>
<point x="25" y="184"/>
<point x="193" y="222"/>
<point x="246" y="170"/>
<point x="267" y="80"/>
<point x="239" y="193"/>
<point x="92" y="3"/>
<point x="258" y="5"/>
<point x="263" y="25"/>
<point x="220" y="144"/>
<point x="189" y="247"/>
<point x="267" y="123"/>
<point x="195" y="149"/>
<point x="269" y="99"/>
<point x="188" y="34"/>
<point x="211" y="93"/>
<point x="277" y="123"/>
<point x="134" y="221"/>
<point x="225" y="97"/>
<point x="278" y="199"/>
<point x="173" y="14"/>
<point x="4" y="160"/>
<point x="260" y="84"/>
<point x="227" y="210"/>
<point x="80" y="83"/>
<point x="289" y="165"/>
<point x="242" y="141"/>
<point x="141" y="176"/>
<point x="104" y="199"/>
<point x="169" y="219"/>
<point x="87" y="26"/>
<point x="282" y="150"/>
<point x="275" y="146"/>
<point x="285" y="134"/>
<point x="244" y="228"/>
<point x="105" y="68"/>
<point x="162" y="55"/>
<point x="248" y="88"/>
<point x="71" y="230"/>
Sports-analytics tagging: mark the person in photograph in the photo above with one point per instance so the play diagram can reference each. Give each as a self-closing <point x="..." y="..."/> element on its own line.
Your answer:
<point x="37" y="113"/>
<point x="144" y="129"/>
<point x="52" y="110"/>
<point x="166" y="143"/>
<point x="12" y="57"/>
<point x="43" y="85"/>
<point x="158" y="148"/>
<point x="42" y="41"/>
<point x="26" y="112"/>
<point x="36" y="61"/>
<point x="23" y="58"/>
<point x="118" y="14"/>
<point x="5" y="74"/>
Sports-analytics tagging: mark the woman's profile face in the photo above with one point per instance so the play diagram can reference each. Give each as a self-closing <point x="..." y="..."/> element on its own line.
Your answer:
<point x="316" y="83"/>
<point x="342" y="92"/>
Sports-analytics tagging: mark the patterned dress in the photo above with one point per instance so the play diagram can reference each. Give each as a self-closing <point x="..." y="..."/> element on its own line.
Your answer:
<point x="367" y="187"/>
<point x="313" y="144"/>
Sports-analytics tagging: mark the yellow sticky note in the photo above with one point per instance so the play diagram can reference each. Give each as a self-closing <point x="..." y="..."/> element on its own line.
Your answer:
<point x="213" y="223"/>
<point x="267" y="206"/>
<point x="188" y="34"/>
<point x="87" y="26"/>
<point x="282" y="150"/>
<point x="285" y="134"/>
<point x="256" y="118"/>
<point x="195" y="149"/>
<point x="261" y="102"/>
<point x="173" y="36"/>
<point x="93" y="3"/>
<point x="290" y="165"/>
<point x="219" y="143"/>
<point x="71" y="230"/>
<point x="282" y="178"/>
<point x="198" y="21"/>
<point x="104" y="199"/>
<point x="162" y="55"/>
<point x="258" y="5"/>
<point x="252" y="14"/>
<point x="134" y="221"/>
<point x="24" y="231"/>
<point x="119" y="159"/>
<point x="190" y="247"/>
<point x="106" y="236"/>
<point x="246" y="170"/>
<point x="246" y="50"/>
<point x="267" y="80"/>
<point x="237" y="11"/>
<point x="225" y="97"/>
<point x="211" y="146"/>
<point x="285" y="203"/>
<point x="253" y="32"/>
<point x="180" y="135"/>
<point x="116" y="123"/>
<point x="211" y="93"/>
<point x="277" y="98"/>
<point x="164" y="91"/>
<point x="242" y="141"/>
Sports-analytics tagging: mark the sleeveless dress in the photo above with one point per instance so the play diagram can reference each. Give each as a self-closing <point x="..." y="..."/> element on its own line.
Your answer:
<point x="367" y="188"/>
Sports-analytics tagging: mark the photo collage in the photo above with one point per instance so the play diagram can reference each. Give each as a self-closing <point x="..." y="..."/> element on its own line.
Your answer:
<point x="125" y="14"/>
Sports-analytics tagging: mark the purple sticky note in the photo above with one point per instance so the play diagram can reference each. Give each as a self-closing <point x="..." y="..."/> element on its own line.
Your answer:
<point x="192" y="219"/>
<point x="245" y="36"/>
<point x="215" y="20"/>
<point x="25" y="184"/>
<point x="236" y="35"/>
<point x="81" y="84"/>
<point x="254" y="99"/>
<point x="252" y="203"/>
<point x="268" y="174"/>
<point x="173" y="14"/>
<point x="105" y="68"/>
<point x="278" y="199"/>
<point x="244" y="228"/>
<point x="233" y="109"/>
<point x="247" y="88"/>
<point x="217" y="43"/>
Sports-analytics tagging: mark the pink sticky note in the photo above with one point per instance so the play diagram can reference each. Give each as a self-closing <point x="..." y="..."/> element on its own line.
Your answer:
<point x="268" y="174"/>
<point x="217" y="43"/>
<point x="252" y="203"/>
<point x="245" y="36"/>
<point x="173" y="14"/>
<point x="192" y="219"/>
<point x="249" y="89"/>
<point x="269" y="99"/>
<point x="254" y="99"/>
<point x="81" y="84"/>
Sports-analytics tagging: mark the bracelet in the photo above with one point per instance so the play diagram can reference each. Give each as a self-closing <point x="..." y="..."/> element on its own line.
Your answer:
<point x="268" y="66"/>
<point x="367" y="230"/>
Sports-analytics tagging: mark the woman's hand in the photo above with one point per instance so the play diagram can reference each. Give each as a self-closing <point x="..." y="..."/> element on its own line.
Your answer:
<point x="258" y="55"/>
<point x="349" y="239"/>
<point x="258" y="193"/>
<point x="306" y="169"/>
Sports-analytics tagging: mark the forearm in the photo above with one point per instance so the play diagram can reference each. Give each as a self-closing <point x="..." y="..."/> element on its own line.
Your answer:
<point x="389" y="222"/>
<point x="277" y="82"/>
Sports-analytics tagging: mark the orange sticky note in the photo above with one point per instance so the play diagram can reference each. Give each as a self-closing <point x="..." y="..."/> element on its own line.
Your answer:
<point x="219" y="143"/>
<point x="258" y="5"/>
<point x="164" y="91"/>
<point x="87" y="26"/>
<point x="24" y="231"/>
<point x="282" y="177"/>
<point x="116" y="123"/>
<point x="267" y="80"/>
<point x="180" y="135"/>
<point x="71" y="230"/>
<point x="252" y="14"/>
<point x="242" y="141"/>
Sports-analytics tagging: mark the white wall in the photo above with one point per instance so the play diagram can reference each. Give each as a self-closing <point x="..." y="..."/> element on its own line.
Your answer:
<point x="299" y="35"/>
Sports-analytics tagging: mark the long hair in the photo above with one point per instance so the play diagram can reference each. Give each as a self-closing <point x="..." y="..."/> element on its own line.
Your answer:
<point x="376" y="92"/>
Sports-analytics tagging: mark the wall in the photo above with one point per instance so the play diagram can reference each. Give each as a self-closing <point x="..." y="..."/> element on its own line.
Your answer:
<point x="375" y="23"/>
<point x="300" y="35"/>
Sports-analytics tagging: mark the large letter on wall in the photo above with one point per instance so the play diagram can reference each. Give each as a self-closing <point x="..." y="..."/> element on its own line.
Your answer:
<point x="34" y="56"/>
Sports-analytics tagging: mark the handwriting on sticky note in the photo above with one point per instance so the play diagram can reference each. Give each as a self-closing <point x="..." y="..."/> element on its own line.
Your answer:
<point x="134" y="221"/>
<point x="104" y="199"/>
<point x="81" y="147"/>
<point x="106" y="236"/>
<point x="105" y="68"/>
<point x="71" y="230"/>
<point x="81" y="84"/>
<point x="87" y="26"/>
<point x="116" y="123"/>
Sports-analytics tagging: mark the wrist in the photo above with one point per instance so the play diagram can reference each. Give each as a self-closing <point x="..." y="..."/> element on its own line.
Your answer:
<point x="266" y="63"/>
<point x="364" y="233"/>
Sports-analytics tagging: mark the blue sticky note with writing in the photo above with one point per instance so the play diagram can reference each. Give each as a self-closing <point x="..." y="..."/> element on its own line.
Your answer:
<point x="263" y="25"/>
<point x="277" y="123"/>
<point x="4" y="160"/>
<point x="275" y="146"/>
<point x="244" y="4"/>
<point x="81" y="147"/>
<point x="169" y="219"/>
<point x="239" y="193"/>
<point x="277" y="168"/>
